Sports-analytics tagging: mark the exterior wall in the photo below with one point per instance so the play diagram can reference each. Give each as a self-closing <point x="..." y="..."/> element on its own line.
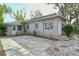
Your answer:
<point x="49" y="32"/>
<point x="10" y="30"/>
<point x="31" y="28"/>
<point x="19" y="31"/>
<point x="58" y="27"/>
<point x="41" y="31"/>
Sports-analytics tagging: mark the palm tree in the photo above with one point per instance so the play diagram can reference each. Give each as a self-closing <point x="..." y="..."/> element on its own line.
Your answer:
<point x="19" y="15"/>
<point x="6" y="10"/>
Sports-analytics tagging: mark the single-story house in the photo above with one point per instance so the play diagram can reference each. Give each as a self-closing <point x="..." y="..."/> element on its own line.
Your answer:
<point x="48" y="26"/>
<point x="14" y="28"/>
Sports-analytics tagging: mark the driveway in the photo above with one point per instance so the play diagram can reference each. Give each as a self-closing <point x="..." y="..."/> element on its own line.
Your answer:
<point x="37" y="46"/>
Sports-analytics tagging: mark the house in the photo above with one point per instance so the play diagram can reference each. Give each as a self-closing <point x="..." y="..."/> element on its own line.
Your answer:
<point x="47" y="26"/>
<point x="14" y="28"/>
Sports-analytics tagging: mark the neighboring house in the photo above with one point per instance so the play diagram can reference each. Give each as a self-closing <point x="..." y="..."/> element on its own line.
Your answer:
<point x="14" y="28"/>
<point x="48" y="26"/>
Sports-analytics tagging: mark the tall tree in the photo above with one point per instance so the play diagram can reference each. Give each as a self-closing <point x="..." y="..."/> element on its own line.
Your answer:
<point x="1" y="16"/>
<point x="6" y="10"/>
<point x="65" y="9"/>
<point x="3" y="10"/>
<point x="19" y="15"/>
<point x="76" y="13"/>
<point x="35" y="14"/>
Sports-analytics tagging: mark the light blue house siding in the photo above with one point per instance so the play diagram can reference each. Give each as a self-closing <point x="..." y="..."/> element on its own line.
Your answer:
<point x="47" y="26"/>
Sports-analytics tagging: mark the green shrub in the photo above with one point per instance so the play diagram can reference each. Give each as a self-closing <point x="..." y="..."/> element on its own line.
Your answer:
<point x="2" y="30"/>
<point x="68" y="29"/>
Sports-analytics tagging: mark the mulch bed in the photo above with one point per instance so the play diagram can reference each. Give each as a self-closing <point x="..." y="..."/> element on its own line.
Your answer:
<point x="2" y="52"/>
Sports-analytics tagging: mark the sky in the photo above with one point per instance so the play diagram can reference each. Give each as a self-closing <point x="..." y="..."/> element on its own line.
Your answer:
<point x="14" y="6"/>
<point x="28" y="7"/>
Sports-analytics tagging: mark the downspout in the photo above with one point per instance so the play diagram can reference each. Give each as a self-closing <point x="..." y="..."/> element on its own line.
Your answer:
<point x="43" y="26"/>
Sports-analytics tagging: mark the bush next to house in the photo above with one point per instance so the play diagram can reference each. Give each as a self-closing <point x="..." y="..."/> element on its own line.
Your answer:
<point x="68" y="29"/>
<point x="2" y="30"/>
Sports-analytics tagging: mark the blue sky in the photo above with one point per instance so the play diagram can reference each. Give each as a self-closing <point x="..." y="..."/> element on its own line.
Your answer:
<point x="44" y="8"/>
<point x="14" y="6"/>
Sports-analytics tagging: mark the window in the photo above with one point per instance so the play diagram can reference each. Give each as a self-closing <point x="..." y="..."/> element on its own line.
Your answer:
<point x="13" y="27"/>
<point x="36" y="25"/>
<point x="48" y="25"/>
<point x="19" y="28"/>
<point x="27" y="26"/>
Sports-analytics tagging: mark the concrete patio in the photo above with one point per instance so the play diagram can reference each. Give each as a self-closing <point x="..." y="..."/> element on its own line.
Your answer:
<point x="36" y="46"/>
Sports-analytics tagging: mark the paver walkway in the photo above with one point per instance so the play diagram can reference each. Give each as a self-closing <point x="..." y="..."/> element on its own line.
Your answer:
<point x="12" y="48"/>
<point x="25" y="45"/>
<point x="36" y="46"/>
